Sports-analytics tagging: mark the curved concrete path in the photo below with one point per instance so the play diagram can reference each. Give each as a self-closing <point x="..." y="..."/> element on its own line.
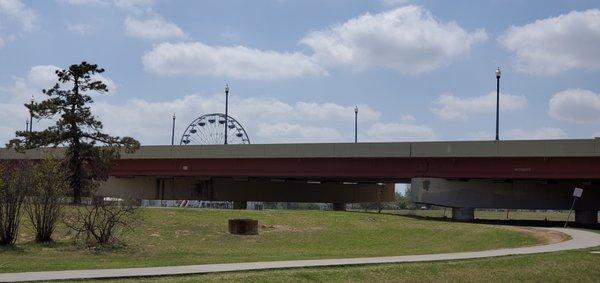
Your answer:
<point x="580" y="239"/>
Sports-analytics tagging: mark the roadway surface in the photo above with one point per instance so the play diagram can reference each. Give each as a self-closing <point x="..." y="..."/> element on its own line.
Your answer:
<point x="580" y="239"/>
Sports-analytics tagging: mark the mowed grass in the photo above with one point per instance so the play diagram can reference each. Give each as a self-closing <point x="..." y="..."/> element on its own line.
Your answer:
<point x="494" y="215"/>
<point x="568" y="266"/>
<point x="196" y="236"/>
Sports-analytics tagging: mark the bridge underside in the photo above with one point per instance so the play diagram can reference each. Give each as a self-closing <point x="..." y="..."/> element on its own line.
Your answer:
<point x="245" y="189"/>
<point x="466" y="195"/>
<point x="463" y="175"/>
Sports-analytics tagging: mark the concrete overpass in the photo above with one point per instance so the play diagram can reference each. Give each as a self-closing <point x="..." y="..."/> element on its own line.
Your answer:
<point x="537" y="174"/>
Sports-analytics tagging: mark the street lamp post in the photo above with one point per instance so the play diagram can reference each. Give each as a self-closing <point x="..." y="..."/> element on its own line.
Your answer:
<point x="355" y="124"/>
<point x="226" y="102"/>
<point x="497" y="102"/>
<point x="173" y="131"/>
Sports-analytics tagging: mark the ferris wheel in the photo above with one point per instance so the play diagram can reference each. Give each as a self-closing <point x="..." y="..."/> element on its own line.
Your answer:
<point x="210" y="129"/>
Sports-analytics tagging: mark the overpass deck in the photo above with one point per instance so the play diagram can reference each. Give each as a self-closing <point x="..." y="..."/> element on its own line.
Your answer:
<point x="393" y="161"/>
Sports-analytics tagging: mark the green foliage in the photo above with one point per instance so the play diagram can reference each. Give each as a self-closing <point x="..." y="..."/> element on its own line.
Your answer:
<point x="45" y="202"/>
<point x="68" y="103"/>
<point x="403" y="201"/>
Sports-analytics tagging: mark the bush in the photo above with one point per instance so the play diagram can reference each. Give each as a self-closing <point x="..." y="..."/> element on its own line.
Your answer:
<point x="14" y="186"/>
<point x="44" y="204"/>
<point x="102" y="223"/>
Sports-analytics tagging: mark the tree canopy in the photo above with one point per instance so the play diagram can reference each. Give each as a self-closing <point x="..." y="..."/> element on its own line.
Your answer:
<point x="88" y="150"/>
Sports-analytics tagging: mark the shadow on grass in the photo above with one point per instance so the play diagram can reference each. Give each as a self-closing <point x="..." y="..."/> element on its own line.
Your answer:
<point x="510" y="222"/>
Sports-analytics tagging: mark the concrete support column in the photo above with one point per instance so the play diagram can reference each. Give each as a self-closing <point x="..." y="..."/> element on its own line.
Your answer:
<point x="463" y="213"/>
<point x="339" y="206"/>
<point x="240" y="205"/>
<point x="586" y="216"/>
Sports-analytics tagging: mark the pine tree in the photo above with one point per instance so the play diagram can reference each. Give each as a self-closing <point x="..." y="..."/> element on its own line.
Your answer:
<point x="89" y="151"/>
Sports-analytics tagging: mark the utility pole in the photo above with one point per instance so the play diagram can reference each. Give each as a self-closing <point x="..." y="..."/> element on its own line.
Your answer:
<point x="497" y="103"/>
<point x="226" y="102"/>
<point x="173" y="131"/>
<point x="355" y="124"/>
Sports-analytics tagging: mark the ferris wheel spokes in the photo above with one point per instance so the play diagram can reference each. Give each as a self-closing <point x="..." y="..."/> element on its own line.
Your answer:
<point x="208" y="129"/>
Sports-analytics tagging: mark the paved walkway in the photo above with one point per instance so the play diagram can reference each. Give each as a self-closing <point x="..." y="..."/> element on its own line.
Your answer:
<point x="580" y="239"/>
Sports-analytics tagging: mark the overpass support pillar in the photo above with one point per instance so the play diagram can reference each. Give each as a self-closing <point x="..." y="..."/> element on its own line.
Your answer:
<point x="586" y="216"/>
<point x="240" y="205"/>
<point x="463" y="213"/>
<point x="339" y="206"/>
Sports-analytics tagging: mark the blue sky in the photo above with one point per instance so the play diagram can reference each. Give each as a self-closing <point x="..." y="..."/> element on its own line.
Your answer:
<point x="418" y="70"/>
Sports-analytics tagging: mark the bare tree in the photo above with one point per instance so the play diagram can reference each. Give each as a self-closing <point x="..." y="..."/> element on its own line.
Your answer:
<point x="102" y="223"/>
<point x="14" y="186"/>
<point x="45" y="202"/>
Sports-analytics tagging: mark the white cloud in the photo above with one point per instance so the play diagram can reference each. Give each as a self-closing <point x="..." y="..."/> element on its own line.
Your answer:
<point x="538" y="134"/>
<point x="156" y="28"/>
<point x="451" y="107"/>
<point x="16" y="10"/>
<point x="323" y="111"/>
<point x="80" y="28"/>
<point x="408" y="39"/>
<point x="575" y="105"/>
<point x="296" y="133"/>
<point x="42" y="76"/>
<point x="227" y="61"/>
<point x="557" y="44"/>
<point x="399" y="132"/>
<point x="266" y="120"/>
<point x="13" y="113"/>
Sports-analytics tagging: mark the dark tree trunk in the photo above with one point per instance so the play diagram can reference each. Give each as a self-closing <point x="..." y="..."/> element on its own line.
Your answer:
<point x="75" y="161"/>
<point x="76" y="178"/>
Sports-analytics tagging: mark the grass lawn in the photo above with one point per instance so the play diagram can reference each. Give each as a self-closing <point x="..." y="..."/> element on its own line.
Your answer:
<point x="195" y="236"/>
<point x="568" y="266"/>
<point x="494" y="215"/>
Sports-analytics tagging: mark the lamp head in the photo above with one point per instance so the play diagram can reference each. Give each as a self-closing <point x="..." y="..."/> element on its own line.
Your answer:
<point x="355" y="109"/>
<point x="498" y="73"/>
<point x="226" y="88"/>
